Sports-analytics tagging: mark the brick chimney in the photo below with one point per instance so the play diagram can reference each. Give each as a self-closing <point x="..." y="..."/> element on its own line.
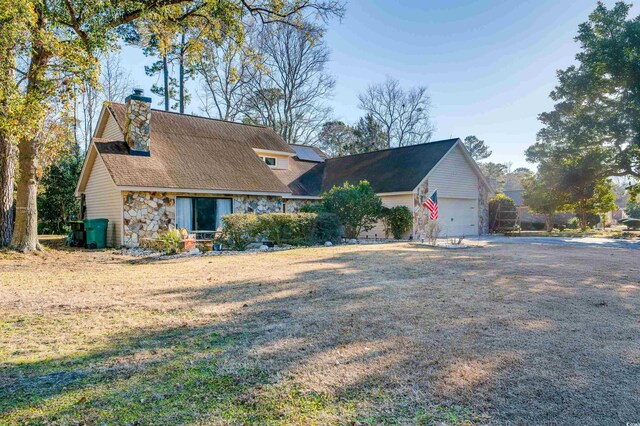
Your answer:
<point x="137" y="124"/>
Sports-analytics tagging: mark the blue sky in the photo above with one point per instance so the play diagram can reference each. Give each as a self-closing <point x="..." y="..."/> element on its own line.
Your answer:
<point x="489" y="65"/>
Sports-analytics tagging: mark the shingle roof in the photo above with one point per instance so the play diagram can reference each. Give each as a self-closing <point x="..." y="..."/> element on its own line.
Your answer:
<point x="388" y="170"/>
<point x="302" y="177"/>
<point x="189" y="152"/>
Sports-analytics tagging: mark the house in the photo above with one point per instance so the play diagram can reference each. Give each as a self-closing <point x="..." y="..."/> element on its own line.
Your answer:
<point x="147" y="170"/>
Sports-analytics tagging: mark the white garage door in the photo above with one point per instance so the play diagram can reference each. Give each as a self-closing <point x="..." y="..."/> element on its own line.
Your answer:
<point x="458" y="216"/>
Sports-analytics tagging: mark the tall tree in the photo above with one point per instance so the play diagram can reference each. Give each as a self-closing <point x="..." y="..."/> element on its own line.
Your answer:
<point x="598" y="99"/>
<point x="369" y="136"/>
<point x="336" y="138"/>
<point x="478" y="149"/>
<point x="115" y="81"/>
<point x="290" y="96"/>
<point x="16" y="19"/>
<point x="542" y="197"/>
<point x="403" y="114"/>
<point x="64" y="41"/>
<point x="225" y="71"/>
<point x="496" y="172"/>
<point x="57" y="203"/>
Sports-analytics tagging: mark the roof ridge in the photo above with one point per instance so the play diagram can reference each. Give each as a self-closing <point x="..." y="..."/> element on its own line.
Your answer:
<point x="260" y="126"/>
<point x="395" y="148"/>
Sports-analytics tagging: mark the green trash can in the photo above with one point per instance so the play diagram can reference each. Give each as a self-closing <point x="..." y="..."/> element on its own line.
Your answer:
<point x="96" y="233"/>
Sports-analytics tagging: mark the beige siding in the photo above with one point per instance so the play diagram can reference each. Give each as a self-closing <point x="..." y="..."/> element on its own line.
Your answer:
<point x="454" y="177"/>
<point x="104" y="200"/>
<point x="111" y="129"/>
<point x="282" y="163"/>
<point x="390" y="201"/>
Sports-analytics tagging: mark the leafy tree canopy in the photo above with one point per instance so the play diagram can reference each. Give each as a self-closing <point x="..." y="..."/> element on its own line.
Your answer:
<point x="598" y="100"/>
<point x="357" y="206"/>
<point x="478" y="149"/>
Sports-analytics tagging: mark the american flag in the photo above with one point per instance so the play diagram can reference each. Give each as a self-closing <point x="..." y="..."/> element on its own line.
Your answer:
<point x="432" y="205"/>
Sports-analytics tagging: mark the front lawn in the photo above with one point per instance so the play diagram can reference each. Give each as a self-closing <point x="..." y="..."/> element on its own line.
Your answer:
<point x="374" y="334"/>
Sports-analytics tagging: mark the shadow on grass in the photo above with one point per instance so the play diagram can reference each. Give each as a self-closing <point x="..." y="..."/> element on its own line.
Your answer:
<point x="402" y="335"/>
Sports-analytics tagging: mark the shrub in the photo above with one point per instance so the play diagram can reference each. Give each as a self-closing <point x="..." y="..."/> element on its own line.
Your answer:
<point x="327" y="228"/>
<point x="398" y="220"/>
<point x="631" y="223"/>
<point x="169" y="241"/>
<point x="508" y="215"/>
<point x="633" y="209"/>
<point x="433" y="231"/>
<point x="312" y="208"/>
<point x="239" y="230"/>
<point x="532" y="226"/>
<point x="357" y="207"/>
<point x="291" y="228"/>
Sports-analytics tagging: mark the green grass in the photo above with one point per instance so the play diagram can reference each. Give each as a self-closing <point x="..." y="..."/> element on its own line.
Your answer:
<point x="183" y="385"/>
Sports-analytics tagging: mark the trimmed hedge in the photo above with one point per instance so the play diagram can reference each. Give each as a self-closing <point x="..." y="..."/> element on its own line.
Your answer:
<point x="239" y="229"/>
<point x="289" y="228"/>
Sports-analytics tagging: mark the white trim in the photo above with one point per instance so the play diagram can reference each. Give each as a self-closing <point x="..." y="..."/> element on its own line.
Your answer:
<point x="270" y="152"/>
<point x="388" y="194"/>
<point x="201" y="191"/>
<point x="302" y="197"/>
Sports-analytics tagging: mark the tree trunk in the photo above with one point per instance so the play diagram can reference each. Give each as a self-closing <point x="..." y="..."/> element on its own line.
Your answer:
<point x="582" y="218"/>
<point x="165" y="74"/>
<point x="549" y="222"/>
<point x="7" y="181"/>
<point x="7" y="150"/>
<point x="25" y="230"/>
<point x="182" y="95"/>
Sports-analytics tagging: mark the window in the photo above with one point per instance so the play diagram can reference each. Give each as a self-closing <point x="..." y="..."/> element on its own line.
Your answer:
<point x="201" y="213"/>
<point x="271" y="161"/>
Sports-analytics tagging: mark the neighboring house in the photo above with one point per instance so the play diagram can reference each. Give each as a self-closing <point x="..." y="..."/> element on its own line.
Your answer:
<point x="147" y="170"/>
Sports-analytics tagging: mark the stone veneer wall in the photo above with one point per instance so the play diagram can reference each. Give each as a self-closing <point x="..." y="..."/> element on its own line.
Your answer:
<point x="420" y="212"/>
<point x="483" y="208"/>
<point x="293" y="205"/>
<point x="137" y="129"/>
<point x="256" y="204"/>
<point x="147" y="214"/>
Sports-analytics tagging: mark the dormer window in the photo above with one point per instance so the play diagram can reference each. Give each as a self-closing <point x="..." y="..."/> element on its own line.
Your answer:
<point x="270" y="161"/>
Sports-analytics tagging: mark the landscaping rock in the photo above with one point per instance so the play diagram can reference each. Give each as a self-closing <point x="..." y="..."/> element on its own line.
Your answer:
<point x="328" y="244"/>
<point x="263" y="248"/>
<point x="352" y="241"/>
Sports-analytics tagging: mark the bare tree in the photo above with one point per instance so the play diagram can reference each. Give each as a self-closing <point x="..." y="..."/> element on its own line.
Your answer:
<point x="403" y="115"/>
<point x="116" y="82"/>
<point x="226" y="71"/>
<point x="289" y="96"/>
<point x="86" y="111"/>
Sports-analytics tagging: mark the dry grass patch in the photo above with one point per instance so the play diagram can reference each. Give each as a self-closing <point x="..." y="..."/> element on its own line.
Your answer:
<point x="367" y="334"/>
